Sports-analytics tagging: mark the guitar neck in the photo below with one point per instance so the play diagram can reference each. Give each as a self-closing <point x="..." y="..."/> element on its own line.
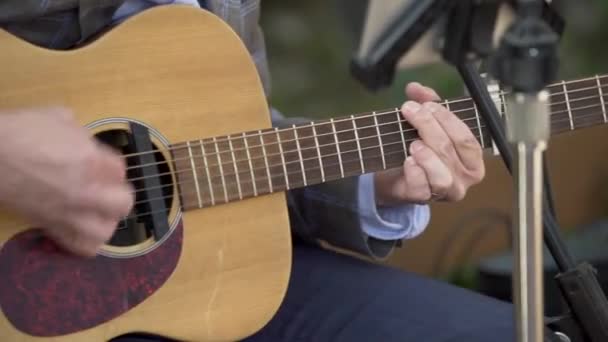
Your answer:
<point x="227" y="168"/>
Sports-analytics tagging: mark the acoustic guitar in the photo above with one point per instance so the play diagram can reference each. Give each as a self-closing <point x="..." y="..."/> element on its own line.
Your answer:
<point x="205" y="254"/>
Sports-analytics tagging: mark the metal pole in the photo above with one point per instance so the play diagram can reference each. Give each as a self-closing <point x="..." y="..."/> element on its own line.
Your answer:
<point x="528" y="130"/>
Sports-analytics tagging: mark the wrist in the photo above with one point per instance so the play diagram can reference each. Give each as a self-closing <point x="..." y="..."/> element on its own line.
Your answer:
<point x="384" y="187"/>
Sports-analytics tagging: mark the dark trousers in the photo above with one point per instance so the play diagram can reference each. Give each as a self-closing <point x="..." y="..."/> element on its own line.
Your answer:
<point x="341" y="299"/>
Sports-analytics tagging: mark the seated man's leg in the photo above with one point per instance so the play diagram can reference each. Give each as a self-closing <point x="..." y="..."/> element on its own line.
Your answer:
<point x="337" y="298"/>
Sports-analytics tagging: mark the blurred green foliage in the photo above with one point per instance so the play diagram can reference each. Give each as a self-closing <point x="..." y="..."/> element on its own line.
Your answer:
<point x="310" y="44"/>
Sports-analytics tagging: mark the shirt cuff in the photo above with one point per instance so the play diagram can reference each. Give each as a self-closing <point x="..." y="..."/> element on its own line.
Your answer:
<point x="389" y="223"/>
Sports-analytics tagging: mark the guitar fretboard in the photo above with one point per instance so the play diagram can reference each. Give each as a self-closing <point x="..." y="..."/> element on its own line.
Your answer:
<point x="222" y="169"/>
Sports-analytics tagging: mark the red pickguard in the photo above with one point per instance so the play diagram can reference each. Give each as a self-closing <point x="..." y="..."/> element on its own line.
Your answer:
<point x="46" y="292"/>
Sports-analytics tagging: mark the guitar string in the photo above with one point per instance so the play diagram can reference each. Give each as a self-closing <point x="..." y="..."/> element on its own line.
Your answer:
<point x="232" y="163"/>
<point x="276" y="165"/>
<point x="316" y="136"/>
<point x="182" y="193"/>
<point x="299" y="173"/>
<point x="355" y="160"/>
<point x="362" y="115"/>
<point x="248" y="194"/>
<point x="238" y="173"/>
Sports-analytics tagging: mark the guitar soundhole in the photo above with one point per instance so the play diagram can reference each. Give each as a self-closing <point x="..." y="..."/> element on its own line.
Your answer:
<point x="151" y="177"/>
<point x="47" y="292"/>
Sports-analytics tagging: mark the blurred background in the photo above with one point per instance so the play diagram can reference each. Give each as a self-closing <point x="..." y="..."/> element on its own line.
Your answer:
<point x="310" y="44"/>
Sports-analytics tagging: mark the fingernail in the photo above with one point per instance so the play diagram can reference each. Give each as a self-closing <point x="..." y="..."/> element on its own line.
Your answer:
<point x="416" y="84"/>
<point x="416" y="146"/>
<point x="410" y="161"/>
<point x="412" y="106"/>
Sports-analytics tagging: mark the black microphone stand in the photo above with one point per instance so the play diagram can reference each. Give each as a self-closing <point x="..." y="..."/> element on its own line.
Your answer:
<point x="524" y="64"/>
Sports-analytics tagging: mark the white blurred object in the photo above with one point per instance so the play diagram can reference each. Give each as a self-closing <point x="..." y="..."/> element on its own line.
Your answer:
<point x="380" y="13"/>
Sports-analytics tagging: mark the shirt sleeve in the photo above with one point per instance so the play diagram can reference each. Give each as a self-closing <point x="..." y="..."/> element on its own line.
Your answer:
<point x="389" y="223"/>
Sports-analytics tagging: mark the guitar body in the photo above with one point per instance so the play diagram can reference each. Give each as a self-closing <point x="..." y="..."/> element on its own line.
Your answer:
<point x="222" y="271"/>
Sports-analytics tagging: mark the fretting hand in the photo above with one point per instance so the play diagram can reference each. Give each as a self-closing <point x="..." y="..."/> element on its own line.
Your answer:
<point x="443" y="164"/>
<point x="55" y="175"/>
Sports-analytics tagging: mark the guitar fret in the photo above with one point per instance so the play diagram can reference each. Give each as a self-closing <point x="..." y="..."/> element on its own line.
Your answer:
<point x="198" y="191"/>
<point x="599" y="87"/>
<point x="468" y="112"/>
<point x="483" y="145"/>
<point x="447" y="105"/>
<point x="398" y="112"/>
<point x="380" y="140"/>
<point x="295" y="135"/>
<point x="276" y="129"/>
<point x="358" y="143"/>
<point x="314" y="133"/>
<point x="504" y="105"/>
<point x="270" y="187"/>
<point x="568" y="105"/>
<point x="500" y="102"/>
<point x="253" y="180"/>
<point x="206" y="165"/>
<point x="333" y="127"/>
<point x="495" y="92"/>
<point x="236" y="168"/>
<point x="219" y="163"/>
